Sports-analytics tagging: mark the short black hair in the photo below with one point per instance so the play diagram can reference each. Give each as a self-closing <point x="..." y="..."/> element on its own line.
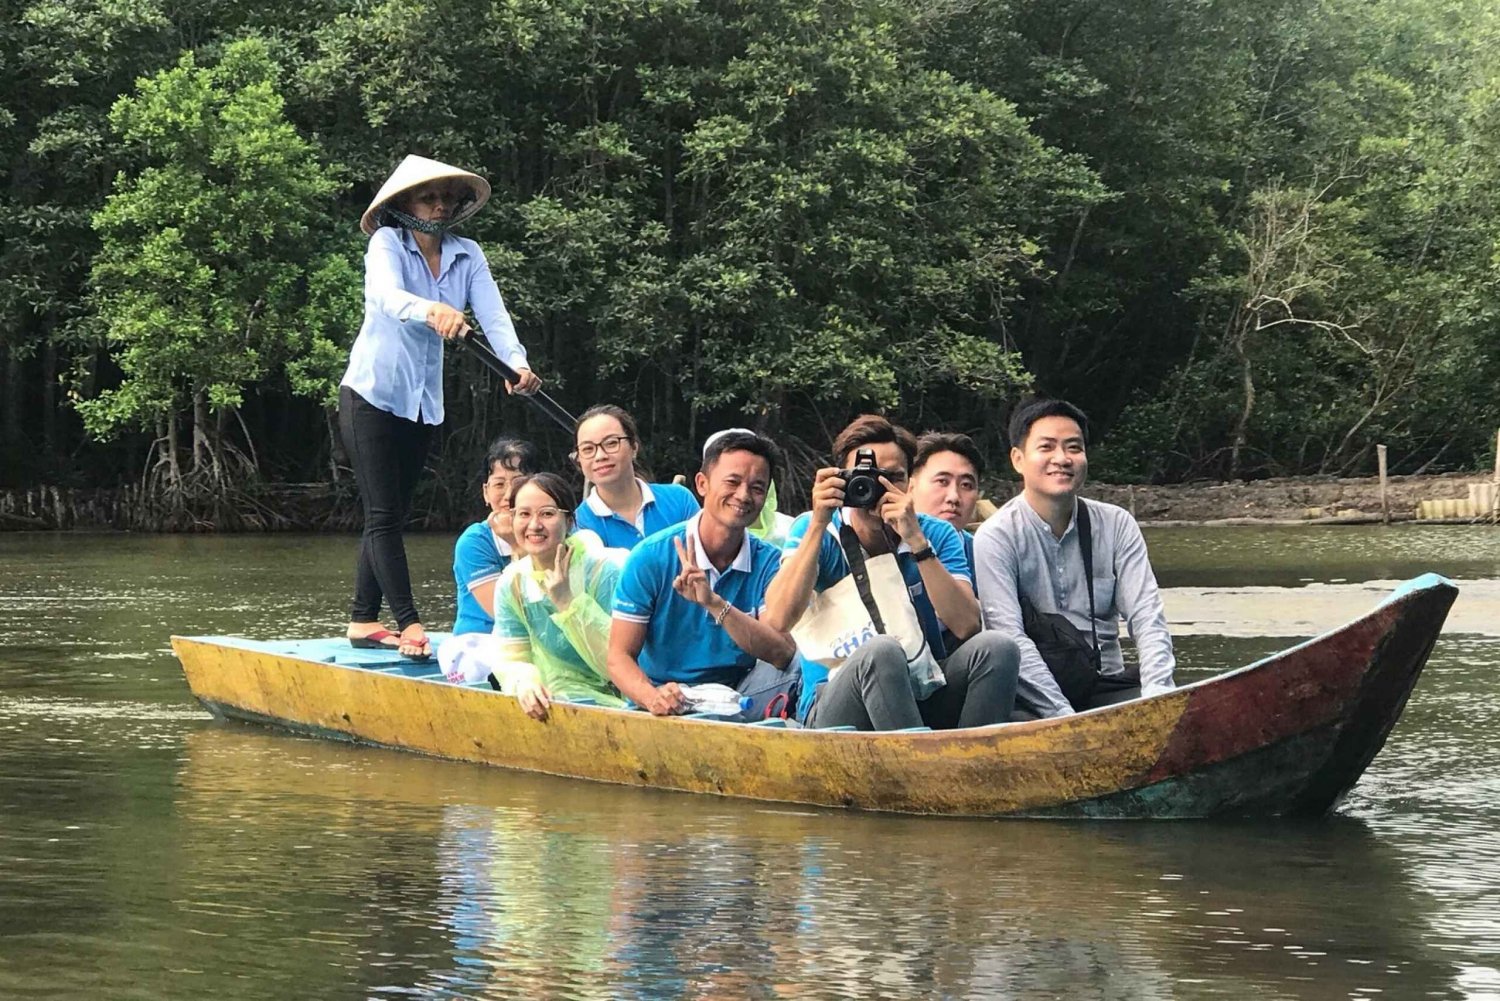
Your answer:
<point x="933" y="442"/>
<point x="1028" y="412"/>
<point x="742" y="441"/>
<point x="872" y="429"/>
<point x="515" y="454"/>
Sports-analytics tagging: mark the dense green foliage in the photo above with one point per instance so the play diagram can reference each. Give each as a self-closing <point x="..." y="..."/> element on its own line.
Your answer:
<point x="1250" y="238"/>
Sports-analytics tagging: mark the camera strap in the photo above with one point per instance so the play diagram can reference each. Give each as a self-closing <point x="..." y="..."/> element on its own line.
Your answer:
<point x="855" y="554"/>
<point x="1086" y="545"/>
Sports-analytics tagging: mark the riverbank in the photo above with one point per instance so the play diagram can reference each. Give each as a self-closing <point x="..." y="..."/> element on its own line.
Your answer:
<point x="319" y="507"/>
<point x="1312" y="500"/>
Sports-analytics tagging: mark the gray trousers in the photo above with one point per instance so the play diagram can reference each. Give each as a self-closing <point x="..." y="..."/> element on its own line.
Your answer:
<point x="872" y="691"/>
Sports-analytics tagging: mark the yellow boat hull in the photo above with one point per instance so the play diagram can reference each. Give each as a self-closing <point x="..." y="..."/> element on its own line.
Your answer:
<point x="1289" y="735"/>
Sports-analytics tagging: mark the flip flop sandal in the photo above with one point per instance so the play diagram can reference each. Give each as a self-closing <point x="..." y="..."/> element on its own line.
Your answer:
<point x="419" y="657"/>
<point x="375" y="641"/>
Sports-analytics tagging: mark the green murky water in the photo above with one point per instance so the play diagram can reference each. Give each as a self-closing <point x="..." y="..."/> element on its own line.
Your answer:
<point x="149" y="852"/>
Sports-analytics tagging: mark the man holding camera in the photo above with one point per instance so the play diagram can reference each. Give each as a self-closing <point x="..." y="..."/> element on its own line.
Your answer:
<point x="871" y="690"/>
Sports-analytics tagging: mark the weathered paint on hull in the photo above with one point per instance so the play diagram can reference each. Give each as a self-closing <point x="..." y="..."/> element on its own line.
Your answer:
<point x="1289" y="735"/>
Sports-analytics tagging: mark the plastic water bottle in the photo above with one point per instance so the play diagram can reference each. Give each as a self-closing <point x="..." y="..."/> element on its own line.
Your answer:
<point x="715" y="700"/>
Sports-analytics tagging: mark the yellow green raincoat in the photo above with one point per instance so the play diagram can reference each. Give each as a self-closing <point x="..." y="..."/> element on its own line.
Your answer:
<point x="565" y="650"/>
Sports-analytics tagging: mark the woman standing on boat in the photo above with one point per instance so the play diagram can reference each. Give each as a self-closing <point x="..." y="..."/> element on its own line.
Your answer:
<point x="552" y="605"/>
<point x="622" y="509"/>
<point x="419" y="279"/>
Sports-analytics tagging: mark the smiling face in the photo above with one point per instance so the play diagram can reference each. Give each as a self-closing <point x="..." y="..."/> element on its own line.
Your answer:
<point x="605" y="453"/>
<point x="497" y="497"/>
<point x="734" y="488"/>
<point x="540" y="525"/>
<point x="1052" y="461"/>
<point x="946" y="487"/>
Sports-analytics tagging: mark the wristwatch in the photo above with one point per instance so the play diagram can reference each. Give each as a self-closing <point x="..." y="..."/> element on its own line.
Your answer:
<point x="925" y="553"/>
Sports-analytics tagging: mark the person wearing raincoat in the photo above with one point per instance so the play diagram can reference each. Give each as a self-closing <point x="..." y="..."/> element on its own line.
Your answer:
<point x="552" y="605"/>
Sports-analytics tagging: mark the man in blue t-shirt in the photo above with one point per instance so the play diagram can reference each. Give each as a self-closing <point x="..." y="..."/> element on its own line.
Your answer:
<point x="945" y="482"/>
<point x="688" y="603"/>
<point x="871" y="690"/>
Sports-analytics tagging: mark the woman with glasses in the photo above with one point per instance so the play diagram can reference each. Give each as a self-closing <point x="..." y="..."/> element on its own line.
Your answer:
<point x="552" y="605"/>
<point x="419" y="279"/>
<point x="621" y="508"/>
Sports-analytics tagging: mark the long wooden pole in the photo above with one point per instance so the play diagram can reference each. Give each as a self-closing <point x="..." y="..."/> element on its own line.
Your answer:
<point x="546" y="404"/>
<point x="1385" y="506"/>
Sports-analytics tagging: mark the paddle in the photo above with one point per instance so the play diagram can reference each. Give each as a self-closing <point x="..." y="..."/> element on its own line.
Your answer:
<point x="546" y="404"/>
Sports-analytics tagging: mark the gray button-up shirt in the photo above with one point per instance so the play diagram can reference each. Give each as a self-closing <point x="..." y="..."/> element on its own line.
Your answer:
<point x="1016" y="554"/>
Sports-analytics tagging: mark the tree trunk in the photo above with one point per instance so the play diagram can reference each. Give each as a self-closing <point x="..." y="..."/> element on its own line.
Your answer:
<point x="1242" y="425"/>
<point x="202" y="446"/>
<point x="174" y="470"/>
<point x="50" y="445"/>
<point x="12" y="391"/>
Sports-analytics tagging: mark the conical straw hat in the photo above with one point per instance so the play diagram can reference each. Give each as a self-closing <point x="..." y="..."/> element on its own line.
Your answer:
<point x="414" y="172"/>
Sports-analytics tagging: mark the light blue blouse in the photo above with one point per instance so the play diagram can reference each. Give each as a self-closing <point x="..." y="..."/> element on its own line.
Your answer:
<point x="397" y="360"/>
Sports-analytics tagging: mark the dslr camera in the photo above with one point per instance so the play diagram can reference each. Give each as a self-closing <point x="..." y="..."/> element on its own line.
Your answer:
<point x="862" y="486"/>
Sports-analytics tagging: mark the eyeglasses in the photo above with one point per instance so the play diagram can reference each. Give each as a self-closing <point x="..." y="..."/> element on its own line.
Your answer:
<point x="609" y="446"/>
<point x="540" y="513"/>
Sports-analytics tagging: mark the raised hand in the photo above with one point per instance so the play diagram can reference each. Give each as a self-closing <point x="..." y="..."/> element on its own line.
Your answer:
<point x="556" y="579"/>
<point x="898" y="510"/>
<point x="827" y="495"/>
<point x="692" y="582"/>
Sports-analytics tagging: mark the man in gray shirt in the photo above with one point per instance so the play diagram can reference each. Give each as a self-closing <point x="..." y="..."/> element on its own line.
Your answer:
<point x="1029" y="550"/>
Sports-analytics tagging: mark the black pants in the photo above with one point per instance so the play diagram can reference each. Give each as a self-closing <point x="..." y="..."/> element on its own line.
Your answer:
<point x="388" y="453"/>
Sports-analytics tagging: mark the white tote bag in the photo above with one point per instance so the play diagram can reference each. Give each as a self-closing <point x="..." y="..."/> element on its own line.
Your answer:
<point x="838" y="621"/>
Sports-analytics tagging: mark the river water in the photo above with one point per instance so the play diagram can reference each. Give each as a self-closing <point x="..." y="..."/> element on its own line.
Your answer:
<point x="147" y="851"/>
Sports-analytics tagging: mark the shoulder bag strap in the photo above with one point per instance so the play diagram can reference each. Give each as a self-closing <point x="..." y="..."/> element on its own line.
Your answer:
<point x="855" y="554"/>
<point x="1086" y="546"/>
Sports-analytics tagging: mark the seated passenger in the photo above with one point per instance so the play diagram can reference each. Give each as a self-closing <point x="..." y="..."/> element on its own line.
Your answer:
<point x="1030" y="553"/>
<point x="484" y="549"/>
<point x="621" y="508"/>
<point x="480" y="555"/>
<point x="945" y="482"/>
<point x="552" y="604"/>
<point x="687" y="608"/>
<point x="871" y="690"/>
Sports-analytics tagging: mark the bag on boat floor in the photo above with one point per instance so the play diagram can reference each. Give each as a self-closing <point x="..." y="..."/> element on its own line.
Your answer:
<point x="871" y="601"/>
<point x="770" y="689"/>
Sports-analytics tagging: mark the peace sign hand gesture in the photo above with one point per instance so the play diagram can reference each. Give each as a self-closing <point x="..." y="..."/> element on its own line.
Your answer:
<point x="556" y="579"/>
<point x="692" y="582"/>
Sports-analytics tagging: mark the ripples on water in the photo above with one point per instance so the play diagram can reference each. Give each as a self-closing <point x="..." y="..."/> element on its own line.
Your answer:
<point x="146" y="852"/>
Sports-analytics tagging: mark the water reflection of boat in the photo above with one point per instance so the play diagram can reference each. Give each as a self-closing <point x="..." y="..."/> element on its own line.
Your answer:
<point x="1286" y="736"/>
<point x="505" y="884"/>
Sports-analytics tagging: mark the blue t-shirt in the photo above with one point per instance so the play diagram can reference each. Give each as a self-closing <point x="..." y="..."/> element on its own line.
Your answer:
<point x="968" y="541"/>
<point x="478" y="557"/>
<point x="833" y="567"/>
<point x="682" y="642"/>
<point x="662" y="506"/>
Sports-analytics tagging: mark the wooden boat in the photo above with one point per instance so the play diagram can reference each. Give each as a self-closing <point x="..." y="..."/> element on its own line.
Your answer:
<point x="1287" y="736"/>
